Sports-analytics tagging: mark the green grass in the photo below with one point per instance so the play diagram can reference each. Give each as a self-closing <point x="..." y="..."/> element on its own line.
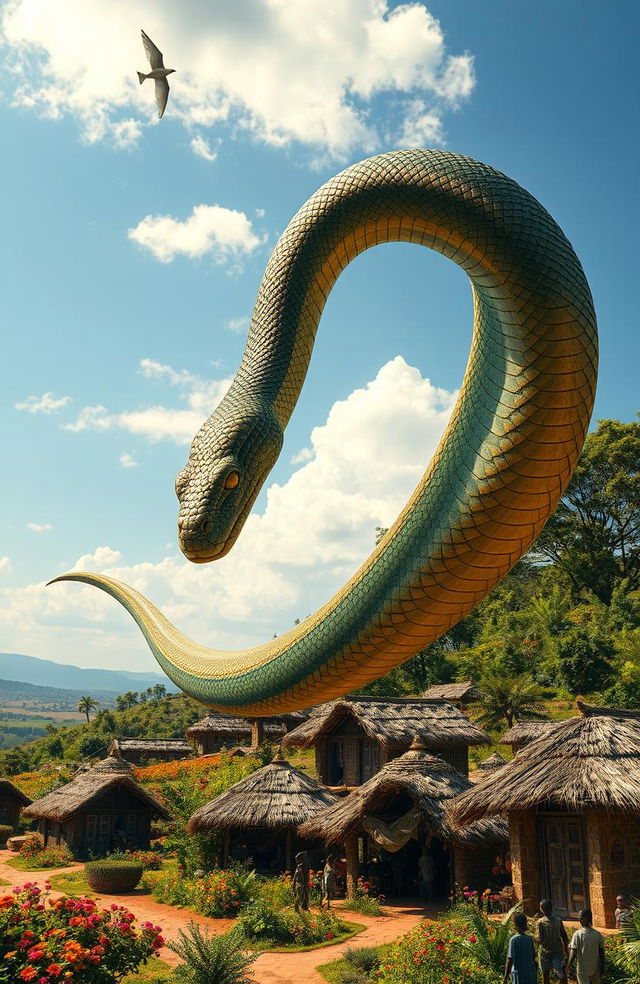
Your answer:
<point x="353" y="930"/>
<point x="73" y="883"/>
<point x="24" y="864"/>
<point x="3" y="881"/>
<point x="332" y="971"/>
<point x="155" y="972"/>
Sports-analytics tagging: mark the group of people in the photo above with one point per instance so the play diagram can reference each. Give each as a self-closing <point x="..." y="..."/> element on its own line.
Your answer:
<point x="583" y="957"/>
<point x="300" y="882"/>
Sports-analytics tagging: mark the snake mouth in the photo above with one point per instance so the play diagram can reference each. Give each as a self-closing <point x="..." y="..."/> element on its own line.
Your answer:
<point x="208" y="552"/>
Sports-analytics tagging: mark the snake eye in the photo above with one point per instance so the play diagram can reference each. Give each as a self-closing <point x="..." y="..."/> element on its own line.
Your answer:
<point x="232" y="480"/>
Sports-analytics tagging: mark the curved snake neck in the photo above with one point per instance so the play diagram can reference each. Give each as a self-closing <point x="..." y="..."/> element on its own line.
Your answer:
<point x="506" y="457"/>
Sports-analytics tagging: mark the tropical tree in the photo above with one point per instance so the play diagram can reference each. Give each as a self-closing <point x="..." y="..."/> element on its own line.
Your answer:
<point x="509" y="699"/>
<point x="85" y="705"/>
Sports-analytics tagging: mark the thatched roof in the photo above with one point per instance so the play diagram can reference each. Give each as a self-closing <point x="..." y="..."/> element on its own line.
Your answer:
<point x="9" y="791"/>
<point x="525" y="731"/>
<point x="393" y="723"/>
<point x="587" y="762"/>
<point x="428" y="780"/>
<point x="236" y="729"/>
<point x="278" y="796"/>
<point x="76" y="795"/>
<point x="150" y="746"/>
<point x="492" y="762"/>
<point x="454" y="692"/>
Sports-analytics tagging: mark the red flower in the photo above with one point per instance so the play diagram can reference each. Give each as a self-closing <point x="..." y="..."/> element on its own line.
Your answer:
<point x="54" y="969"/>
<point x="27" y="973"/>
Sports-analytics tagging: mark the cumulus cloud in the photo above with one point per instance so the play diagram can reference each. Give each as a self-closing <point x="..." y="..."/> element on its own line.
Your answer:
<point x="356" y="473"/>
<point x="39" y="527"/>
<point x="47" y="403"/>
<point x="237" y="325"/>
<point x="279" y="72"/>
<point x="223" y="232"/>
<point x="202" y="148"/>
<point x="159" y="422"/>
<point x="5" y="565"/>
<point x="127" y="460"/>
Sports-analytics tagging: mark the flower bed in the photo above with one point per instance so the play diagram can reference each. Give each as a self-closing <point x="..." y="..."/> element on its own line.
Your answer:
<point x="69" y="940"/>
<point x="219" y="894"/>
<point x="263" y="923"/>
<point x="33" y="856"/>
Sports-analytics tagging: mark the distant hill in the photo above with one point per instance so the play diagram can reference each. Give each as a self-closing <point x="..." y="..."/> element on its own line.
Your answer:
<point x="26" y="669"/>
<point x="16" y="690"/>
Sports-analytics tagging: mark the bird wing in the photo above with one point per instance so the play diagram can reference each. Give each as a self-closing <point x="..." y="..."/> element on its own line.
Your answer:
<point x="153" y="54"/>
<point x="162" y="94"/>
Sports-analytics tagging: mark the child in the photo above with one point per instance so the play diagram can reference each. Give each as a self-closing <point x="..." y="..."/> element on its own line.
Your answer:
<point x="586" y="951"/>
<point x="554" y="944"/>
<point x="521" y="955"/>
<point x="623" y="914"/>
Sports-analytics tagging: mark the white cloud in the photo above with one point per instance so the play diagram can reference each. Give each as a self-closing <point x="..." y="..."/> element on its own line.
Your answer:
<point x="281" y="72"/>
<point x="5" y="565"/>
<point x="47" y="403"/>
<point x="223" y="232"/>
<point x="158" y="422"/>
<point x="202" y="148"/>
<point x="237" y="325"/>
<point x="39" y="527"/>
<point x="421" y="127"/>
<point x="127" y="460"/>
<point x="316" y="528"/>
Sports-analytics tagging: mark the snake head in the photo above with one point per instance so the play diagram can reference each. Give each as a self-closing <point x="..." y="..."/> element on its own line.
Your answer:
<point x="230" y="458"/>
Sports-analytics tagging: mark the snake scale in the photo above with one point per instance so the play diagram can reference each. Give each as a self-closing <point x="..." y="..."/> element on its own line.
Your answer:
<point x="506" y="457"/>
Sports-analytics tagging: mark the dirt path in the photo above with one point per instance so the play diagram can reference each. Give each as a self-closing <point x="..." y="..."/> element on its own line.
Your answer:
<point x="269" y="968"/>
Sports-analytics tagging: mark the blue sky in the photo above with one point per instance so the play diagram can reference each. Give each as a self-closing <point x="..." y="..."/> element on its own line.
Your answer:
<point x="128" y="308"/>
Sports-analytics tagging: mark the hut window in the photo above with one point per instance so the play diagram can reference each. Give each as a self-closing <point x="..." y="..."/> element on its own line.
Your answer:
<point x="617" y="854"/>
<point x="336" y="763"/>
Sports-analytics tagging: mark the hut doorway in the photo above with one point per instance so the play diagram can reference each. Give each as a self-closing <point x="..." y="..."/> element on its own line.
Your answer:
<point x="565" y="862"/>
<point x="397" y="874"/>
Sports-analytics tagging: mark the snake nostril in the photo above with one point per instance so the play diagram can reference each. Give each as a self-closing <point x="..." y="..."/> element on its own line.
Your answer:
<point x="205" y="526"/>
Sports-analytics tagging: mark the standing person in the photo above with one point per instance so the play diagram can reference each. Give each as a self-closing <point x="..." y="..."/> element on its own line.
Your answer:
<point x="329" y="883"/>
<point x="521" y="955"/>
<point x="426" y="870"/>
<point x="300" y="883"/>
<point x="623" y="913"/>
<point x="554" y="944"/>
<point x="586" y="951"/>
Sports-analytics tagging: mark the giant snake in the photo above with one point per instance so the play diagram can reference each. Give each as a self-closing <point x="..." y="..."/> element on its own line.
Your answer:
<point x="506" y="457"/>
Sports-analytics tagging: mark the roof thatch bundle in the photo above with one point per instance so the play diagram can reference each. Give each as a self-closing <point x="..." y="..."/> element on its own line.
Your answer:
<point x="525" y="731"/>
<point x="149" y="746"/>
<point x="235" y="729"/>
<point x="9" y="791"/>
<point x="393" y="723"/>
<point x="492" y="762"/>
<point x="276" y="797"/>
<point x="455" y="692"/>
<point x="587" y="762"/>
<point x="62" y="803"/>
<point x="428" y="780"/>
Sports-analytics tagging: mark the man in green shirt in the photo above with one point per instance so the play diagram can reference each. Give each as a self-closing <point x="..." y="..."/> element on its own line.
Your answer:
<point x="586" y="951"/>
<point x="551" y="936"/>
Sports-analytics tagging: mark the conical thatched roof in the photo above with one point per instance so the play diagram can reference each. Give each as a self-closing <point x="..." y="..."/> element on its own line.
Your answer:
<point x="9" y="791"/>
<point x="586" y="762"/>
<point x="393" y="723"/>
<point x="523" y="732"/>
<point x="492" y="762"/>
<point x="278" y="796"/>
<point x="63" y="802"/>
<point x="464" y="692"/>
<point x="428" y="780"/>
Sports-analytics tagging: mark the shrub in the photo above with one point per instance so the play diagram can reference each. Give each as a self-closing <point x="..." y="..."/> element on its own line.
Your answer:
<point x="113" y="876"/>
<point x="264" y="923"/>
<point x="220" y="894"/>
<point x="70" y="939"/>
<point x="350" y="975"/>
<point x="364" y="902"/>
<point x="45" y="857"/>
<point x="149" y="860"/>
<point x="211" y="959"/>
<point x="364" y="958"/>
<point x="6" y="830"/>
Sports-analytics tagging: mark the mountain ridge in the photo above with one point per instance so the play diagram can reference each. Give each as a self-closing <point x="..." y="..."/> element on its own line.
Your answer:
<point x="21" y="668"/>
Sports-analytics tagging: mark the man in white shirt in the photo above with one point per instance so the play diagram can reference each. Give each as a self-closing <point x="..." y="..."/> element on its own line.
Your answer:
<point x="586" y="951"/>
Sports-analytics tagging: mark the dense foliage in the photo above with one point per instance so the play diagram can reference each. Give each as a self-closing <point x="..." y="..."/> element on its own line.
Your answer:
<point x="211" y="959"/>
<point x="72" y="940"/>
<point x="36" y="856"/>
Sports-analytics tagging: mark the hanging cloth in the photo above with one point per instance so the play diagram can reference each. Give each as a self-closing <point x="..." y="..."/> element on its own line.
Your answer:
<point x="393" y="836"/>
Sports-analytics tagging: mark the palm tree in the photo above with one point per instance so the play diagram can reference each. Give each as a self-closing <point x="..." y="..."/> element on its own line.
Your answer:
<point x="509" y="699"/>
<point x="87" y="704"/>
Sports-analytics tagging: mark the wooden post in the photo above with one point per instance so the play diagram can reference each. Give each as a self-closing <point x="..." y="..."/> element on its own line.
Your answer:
<point x="353" y="866"/>
<point x="257" y="732"/>
<point x="225" y="847"/>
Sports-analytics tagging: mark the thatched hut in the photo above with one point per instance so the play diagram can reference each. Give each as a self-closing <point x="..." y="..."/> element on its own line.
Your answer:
<point x="572" y="798"/>
<point x="98" y="811"/>
<point x="523" y="732"/>
<point x="12" y="800"/>
<point x="459" y="694"/>
<point x="217" y="731"/>
<point x="259" y="815"/>
<point x="355" y="736"/>
<point x="399" y="814"/>
<point x="142" y="751"/>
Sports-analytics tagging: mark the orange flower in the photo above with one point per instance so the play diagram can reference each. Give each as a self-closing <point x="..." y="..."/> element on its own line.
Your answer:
<point x="28" y="973"/>
<point x="10" y="954"/>
<point x="54" y="969"/>
<point x="6" y="901"/>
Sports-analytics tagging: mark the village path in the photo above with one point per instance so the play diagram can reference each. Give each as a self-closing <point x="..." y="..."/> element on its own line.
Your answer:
<point x="269" y="968"/>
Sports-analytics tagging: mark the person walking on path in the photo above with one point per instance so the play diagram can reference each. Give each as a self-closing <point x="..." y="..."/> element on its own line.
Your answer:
<point x="521" y="955"/>
<point x="552" y="938"/>
<point x="586" y="951"/>
<point x="300" y="883"/>
<point x="329" y="883"/>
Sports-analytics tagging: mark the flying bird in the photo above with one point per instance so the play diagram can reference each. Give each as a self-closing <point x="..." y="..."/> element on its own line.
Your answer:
<point x="158" y="72"/>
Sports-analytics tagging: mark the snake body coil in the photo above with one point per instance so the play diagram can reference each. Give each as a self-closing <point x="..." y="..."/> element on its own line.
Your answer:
<point x="506" y="457"/>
